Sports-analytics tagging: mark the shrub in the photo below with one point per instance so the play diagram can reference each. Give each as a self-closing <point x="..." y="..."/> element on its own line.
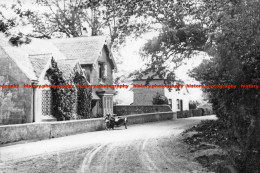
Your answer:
<point x="160" y="99"/>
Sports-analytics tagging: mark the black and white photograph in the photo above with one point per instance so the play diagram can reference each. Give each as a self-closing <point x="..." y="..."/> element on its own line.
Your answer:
<point x="129" y="86"/>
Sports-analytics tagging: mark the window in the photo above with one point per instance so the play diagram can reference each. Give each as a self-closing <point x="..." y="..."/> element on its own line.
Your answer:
<point x="170" y="101"/>
<point x="181" y="105"/>
<point x="105" y="71"/>
<point x="102" y="68"/>
<point x="87" y="73"/>
<point x="46" y="102"/>
<point x="178" y="103"/>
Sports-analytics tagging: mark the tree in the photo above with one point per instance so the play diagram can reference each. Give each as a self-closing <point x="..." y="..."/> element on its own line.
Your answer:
<point x="178" y="38"/>
<point x="227" y="30"/>
<point x="233" y="44"/>
<point x="12" y="18"/>
<point x="70" y="17"/>
<point x="116" y="18"/>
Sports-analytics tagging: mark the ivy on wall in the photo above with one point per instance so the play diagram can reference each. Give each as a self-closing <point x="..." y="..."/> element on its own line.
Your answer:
<point x="84" y="96"/>
<point x="63" y="100"/>
<point x="73" y="103"/>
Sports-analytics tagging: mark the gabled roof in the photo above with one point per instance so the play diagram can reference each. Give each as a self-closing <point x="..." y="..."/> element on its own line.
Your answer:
<point x="36" y="46"/>
<point x="85" y="49"/>
<point x="39" y="62"/>
<point x="31" y="57"/>
<point x="22" y="61"/>
<point x="67" y="67"/>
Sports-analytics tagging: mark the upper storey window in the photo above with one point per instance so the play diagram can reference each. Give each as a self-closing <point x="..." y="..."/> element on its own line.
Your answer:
<point x="102" y="68"/>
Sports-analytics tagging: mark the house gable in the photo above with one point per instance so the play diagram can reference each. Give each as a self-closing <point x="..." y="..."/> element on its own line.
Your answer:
<point x="85" y="49"/>
<point x="90" y="52"/>
<point x="39" y="63"/>
<point x="15" y="104"/>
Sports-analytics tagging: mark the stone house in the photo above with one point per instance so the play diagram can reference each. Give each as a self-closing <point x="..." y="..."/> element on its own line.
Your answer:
<point x="96" y="60"/>
<point x="178" y="100"/>
<point x="28" y="63"/>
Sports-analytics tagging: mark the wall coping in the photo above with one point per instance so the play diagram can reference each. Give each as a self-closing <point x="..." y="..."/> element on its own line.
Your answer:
<point x="143" y="105"/>
<point x="25" y="124"/>
<point x="55" y="122"/>
<point x="147" y="114"/>
<point x="77" y="121"/>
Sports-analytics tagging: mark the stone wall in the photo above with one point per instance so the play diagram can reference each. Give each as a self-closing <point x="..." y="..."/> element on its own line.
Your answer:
<point x="15" y="104"/>
<point x="138" y="109"/>
<point x="192" y="113"/>
<point x="47" y="130"/>
<point x="19" y="132"/>
<point x="151" y="117"/>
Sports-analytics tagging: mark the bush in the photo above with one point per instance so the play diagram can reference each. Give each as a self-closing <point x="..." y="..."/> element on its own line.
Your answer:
<point x="160" y="99"/>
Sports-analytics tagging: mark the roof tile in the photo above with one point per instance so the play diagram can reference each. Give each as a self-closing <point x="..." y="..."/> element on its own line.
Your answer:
<point x="84" y="49"/>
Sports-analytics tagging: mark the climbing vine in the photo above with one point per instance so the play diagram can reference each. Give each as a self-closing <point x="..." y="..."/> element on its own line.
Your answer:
<point x="63" y="100"/>
<point x="72" y="103"/>
<point x="84" y="96"/>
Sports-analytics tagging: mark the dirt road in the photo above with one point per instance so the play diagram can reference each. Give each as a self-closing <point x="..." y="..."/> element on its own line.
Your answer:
<point x="153" y="147"/>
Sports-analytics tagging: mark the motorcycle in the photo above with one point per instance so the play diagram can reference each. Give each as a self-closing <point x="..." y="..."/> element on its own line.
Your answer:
<point x="112" y="121"/>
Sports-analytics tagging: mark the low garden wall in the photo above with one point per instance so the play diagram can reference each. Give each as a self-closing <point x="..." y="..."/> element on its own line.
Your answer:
<point x="192" y="113"/>
<point x="19" y="132"/>
<point x="47" y="130"/>
<point x="137" y="109"/>
<point x="151" y="117"/>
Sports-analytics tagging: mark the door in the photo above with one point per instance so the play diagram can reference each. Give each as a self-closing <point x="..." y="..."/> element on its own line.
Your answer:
<point x="181" y="105"/>
<point x="107" y="105"/>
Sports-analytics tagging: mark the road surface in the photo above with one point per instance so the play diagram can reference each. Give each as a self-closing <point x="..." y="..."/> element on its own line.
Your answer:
<point x="152" y="147"/>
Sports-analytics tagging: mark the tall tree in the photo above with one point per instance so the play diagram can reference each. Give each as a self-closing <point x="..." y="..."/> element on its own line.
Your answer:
<point x="12" y="20"/>
<point x="12" y="16"/>
<point x="115" y="17"/>
<point x="234" y="32"/>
